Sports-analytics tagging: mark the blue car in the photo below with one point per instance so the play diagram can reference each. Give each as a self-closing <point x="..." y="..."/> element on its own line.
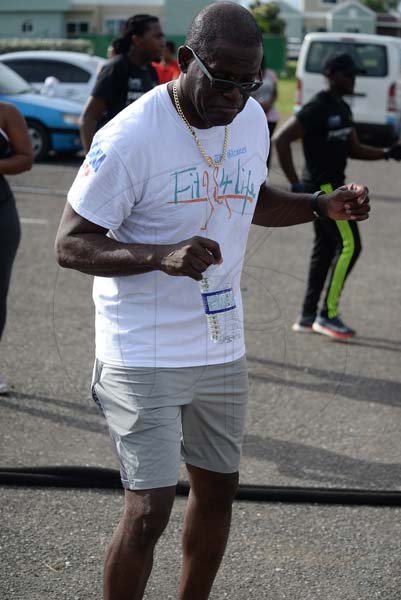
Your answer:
<point x="53" y="123"/>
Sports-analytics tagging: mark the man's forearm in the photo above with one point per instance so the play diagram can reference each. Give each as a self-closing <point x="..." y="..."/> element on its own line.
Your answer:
<point x="87" y="131"/>
<point x="363" y="152"/>
<point x="96" y="254"/>
<point x="276" y="208"/>
<point x="284" y="154"/>
<point x="16" y="164"/>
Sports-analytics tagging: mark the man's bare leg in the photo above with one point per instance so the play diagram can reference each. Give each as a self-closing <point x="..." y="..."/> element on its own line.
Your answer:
<point x="129" y="558"/>
<point x="206" y="529"/>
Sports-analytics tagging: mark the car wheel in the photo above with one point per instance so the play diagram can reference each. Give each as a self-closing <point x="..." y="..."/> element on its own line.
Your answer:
<point x="39" y="139"/>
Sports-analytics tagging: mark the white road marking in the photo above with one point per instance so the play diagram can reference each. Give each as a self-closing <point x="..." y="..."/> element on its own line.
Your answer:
<point x="25" y="189"/>
<point x="33" y="221"/>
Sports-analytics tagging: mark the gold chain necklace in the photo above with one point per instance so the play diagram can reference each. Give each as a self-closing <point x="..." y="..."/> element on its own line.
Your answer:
<point x="205" y="155"/>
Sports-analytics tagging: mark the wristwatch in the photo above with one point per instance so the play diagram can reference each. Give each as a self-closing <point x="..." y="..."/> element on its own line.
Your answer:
<point x="314" y="204"/>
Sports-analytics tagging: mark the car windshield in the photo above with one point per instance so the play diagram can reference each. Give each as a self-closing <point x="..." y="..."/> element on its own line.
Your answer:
<point x="11" y="83"/>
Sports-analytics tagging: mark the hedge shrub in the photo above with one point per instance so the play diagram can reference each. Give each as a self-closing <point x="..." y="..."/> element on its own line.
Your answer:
<point x="17" y="44"/>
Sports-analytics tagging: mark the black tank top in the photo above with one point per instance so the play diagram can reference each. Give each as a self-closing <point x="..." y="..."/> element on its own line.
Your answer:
<point x="5" y="150"/>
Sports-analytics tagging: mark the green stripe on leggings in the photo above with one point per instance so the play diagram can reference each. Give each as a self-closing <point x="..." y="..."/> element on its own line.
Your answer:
<point x="341" y="268"/>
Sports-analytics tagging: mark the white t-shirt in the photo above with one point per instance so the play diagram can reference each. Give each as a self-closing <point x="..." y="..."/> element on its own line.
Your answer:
<point x="145" y="180"/>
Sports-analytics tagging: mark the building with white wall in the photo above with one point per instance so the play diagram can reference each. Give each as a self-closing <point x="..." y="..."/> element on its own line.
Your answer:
<point x="107" y="16"/>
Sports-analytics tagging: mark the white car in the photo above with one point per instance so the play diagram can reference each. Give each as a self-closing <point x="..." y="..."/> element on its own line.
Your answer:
<point x="55" y="73"/>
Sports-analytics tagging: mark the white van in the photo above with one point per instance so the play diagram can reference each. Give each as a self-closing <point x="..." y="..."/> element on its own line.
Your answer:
<point x="376" y="102"/>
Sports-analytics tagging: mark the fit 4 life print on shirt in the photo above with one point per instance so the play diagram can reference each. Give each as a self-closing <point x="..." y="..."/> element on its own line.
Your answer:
<point x="218" y="189"/>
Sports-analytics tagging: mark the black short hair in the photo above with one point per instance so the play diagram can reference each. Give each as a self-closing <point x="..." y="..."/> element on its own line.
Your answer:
<point x="223" y="20"/>
<point x="138" y="24"/>
<point x="135" y="25"/>
<point x="339" y="62"/>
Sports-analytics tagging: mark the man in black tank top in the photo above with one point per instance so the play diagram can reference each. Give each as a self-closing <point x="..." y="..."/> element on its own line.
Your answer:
<point x="126" y="77"/>
<point x="328" y="136"/>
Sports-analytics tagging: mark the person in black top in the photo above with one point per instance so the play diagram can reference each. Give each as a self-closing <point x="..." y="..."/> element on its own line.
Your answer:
<point x="16" y="156"/>
<point x="127" y="76"/>
<point x="328" y="136"/>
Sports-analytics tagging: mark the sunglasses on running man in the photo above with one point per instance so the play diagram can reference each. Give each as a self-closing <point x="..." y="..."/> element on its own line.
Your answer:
<point x="226" y="85"/>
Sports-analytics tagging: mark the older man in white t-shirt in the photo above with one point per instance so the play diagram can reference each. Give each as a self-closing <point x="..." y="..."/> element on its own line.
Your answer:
<point x="170" y="187"/>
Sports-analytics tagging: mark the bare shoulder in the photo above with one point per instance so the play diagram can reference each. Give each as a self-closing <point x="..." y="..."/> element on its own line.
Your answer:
<point x="8" y="110"/>
<point x="10" y="117"/>
<point x="5" y="111"/>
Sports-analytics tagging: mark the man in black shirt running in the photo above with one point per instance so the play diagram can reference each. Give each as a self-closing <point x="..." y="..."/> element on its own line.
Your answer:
<point x="329" y="138"/>
<point x="126" y="76"/>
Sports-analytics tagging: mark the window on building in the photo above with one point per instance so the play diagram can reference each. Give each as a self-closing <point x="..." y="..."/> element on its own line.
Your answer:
<point x="76" y="28"/>
<point x="114" y="26"/>
<point x="27" y="26"/>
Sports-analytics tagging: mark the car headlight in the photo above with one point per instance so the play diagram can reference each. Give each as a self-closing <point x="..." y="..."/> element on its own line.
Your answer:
<point x="71" y="119"/>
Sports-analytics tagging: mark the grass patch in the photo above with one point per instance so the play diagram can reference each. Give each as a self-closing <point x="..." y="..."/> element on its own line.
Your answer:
<point x="286" y="97"/>
<point x="286" y="90"/>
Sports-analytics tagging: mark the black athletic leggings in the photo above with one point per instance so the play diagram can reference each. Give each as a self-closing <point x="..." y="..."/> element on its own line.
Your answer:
<point x="335" y="251"/>
<point x="10" y="234"/>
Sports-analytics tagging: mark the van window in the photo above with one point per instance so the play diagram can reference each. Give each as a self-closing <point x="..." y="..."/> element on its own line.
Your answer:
<point x="371" y="58"/>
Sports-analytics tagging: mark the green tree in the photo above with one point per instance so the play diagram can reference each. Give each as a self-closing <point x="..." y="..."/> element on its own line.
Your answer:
<point x="267" y="17"/>
<point x="379" y="6"/>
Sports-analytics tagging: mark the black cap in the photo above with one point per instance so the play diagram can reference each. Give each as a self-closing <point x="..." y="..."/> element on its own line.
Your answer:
<point x="342" y="62"/>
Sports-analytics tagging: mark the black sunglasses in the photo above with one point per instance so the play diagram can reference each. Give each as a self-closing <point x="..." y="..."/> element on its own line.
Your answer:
<point x="226" y="85"/>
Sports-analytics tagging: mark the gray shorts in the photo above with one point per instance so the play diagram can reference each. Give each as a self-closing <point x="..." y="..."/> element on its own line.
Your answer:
<point x="156" y="415"/>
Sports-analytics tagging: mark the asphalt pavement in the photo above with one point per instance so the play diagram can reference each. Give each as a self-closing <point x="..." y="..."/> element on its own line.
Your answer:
<point x="322" y="414"/>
